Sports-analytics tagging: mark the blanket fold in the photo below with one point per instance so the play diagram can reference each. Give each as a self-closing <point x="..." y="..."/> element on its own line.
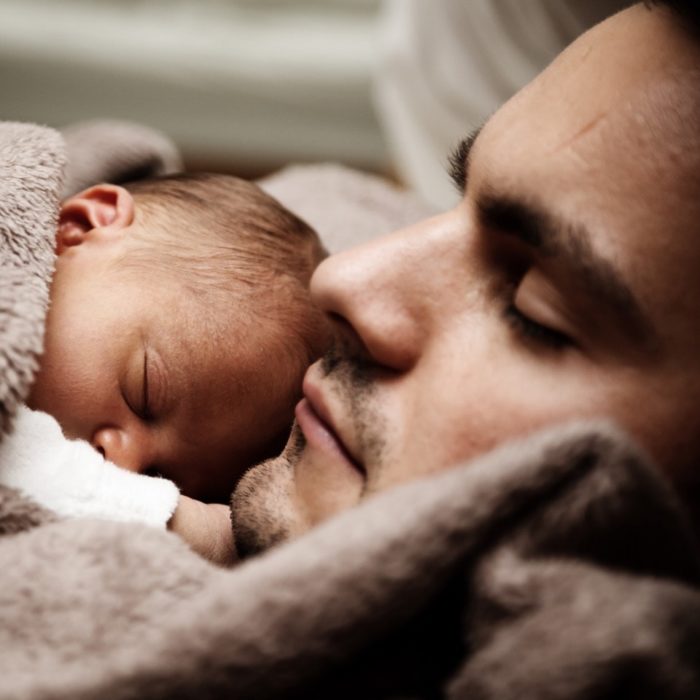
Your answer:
<point x="31" y="170"/>
<point x="558" y="566"/>
<point x="116" y="151"/>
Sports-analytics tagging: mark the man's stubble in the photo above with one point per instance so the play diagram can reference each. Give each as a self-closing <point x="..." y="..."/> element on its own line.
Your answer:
<point x="264" y="507"/>
<point x="263" y="511"/>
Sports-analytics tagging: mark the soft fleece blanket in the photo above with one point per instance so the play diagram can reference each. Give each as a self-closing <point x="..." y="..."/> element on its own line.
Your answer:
<point x="559" y="567"/>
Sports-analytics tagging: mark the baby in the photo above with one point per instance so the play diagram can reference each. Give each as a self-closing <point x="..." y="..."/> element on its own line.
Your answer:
<point x="178" y="334"/>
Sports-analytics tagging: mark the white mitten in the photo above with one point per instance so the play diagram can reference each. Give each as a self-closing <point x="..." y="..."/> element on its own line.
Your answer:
<point x="72" y="479"/>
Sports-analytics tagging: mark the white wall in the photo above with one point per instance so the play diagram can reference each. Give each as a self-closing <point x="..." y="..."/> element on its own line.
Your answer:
<point x="262" y="81"/>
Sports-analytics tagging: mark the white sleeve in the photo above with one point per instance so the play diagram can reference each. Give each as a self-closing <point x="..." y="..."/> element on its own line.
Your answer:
<point x="72" y="479"/>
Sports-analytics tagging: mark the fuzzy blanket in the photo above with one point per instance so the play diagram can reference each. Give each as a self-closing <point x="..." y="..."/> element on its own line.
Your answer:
<point x="556" y="568"/>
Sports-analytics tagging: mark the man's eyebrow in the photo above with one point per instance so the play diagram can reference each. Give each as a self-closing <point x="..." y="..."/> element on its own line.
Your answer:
<point x="553" y="237"/>
<point x="459" y="160"/>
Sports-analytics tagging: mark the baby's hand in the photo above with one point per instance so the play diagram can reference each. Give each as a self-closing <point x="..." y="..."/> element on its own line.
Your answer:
<point x="206" y="528"/>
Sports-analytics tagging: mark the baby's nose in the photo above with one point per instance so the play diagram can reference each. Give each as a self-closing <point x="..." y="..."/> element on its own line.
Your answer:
<point x="118" y="447"/>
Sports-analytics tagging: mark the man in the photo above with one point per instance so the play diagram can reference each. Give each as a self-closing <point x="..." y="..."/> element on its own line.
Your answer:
<point x="563" y="285"/>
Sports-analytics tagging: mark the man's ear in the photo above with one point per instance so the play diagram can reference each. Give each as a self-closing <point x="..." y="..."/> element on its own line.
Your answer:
<point x="108" y="208"/>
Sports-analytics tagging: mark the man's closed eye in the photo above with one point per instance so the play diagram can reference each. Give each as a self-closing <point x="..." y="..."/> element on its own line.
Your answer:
<point x="532" y="331"/>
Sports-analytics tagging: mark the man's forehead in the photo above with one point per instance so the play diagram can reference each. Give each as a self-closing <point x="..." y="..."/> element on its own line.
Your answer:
<point x="620" y="158"/>
<point x="668" y="114"/>
<point x="612" y="64"/>
<point x="627" y="124"/>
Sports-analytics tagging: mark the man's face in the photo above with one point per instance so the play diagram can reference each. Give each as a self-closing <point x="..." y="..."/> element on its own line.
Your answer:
<point x="155" y="381"/>
<point x="564" y="285"/>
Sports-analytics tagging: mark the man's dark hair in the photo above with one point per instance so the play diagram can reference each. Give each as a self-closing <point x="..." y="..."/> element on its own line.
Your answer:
<point x="688" y="11"/>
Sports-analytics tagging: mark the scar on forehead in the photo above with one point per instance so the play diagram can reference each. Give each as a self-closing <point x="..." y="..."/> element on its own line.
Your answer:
<point x="661" y="116"/>
<point x="585" y="129"/>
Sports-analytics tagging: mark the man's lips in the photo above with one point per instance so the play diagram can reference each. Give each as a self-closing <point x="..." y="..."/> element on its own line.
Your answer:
<point x="315" y="422"/>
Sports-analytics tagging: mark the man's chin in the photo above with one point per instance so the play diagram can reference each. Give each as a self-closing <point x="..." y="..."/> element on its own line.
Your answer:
<point x="264" y="511"/>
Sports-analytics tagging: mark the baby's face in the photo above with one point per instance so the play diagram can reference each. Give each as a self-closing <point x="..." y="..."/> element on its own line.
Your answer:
<point x="131" y="366"/>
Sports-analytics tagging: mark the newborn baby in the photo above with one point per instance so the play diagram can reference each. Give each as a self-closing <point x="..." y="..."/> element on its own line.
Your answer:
<point x="178" y="334"/>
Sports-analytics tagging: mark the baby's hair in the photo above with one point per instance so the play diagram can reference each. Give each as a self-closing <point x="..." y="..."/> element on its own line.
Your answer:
<point x="211" y="225"/>
<point x="233" y="247"/>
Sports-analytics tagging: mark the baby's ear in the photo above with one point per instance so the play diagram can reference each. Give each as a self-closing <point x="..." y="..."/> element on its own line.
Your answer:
<point x="108" y="209"/>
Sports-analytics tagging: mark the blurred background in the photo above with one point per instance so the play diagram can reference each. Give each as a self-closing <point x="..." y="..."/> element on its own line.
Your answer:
<point x="247" y="86"/>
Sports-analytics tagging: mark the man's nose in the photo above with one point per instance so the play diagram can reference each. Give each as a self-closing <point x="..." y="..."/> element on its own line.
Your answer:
<point x="120" y="447"/>
<point x="382" y="290"/>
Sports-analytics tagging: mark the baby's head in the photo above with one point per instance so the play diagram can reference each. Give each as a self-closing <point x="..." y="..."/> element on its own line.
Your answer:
<point x="180" y="326"/>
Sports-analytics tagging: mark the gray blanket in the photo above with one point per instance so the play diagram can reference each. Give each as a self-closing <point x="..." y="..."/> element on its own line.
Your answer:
<point x="559" y="567"/>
